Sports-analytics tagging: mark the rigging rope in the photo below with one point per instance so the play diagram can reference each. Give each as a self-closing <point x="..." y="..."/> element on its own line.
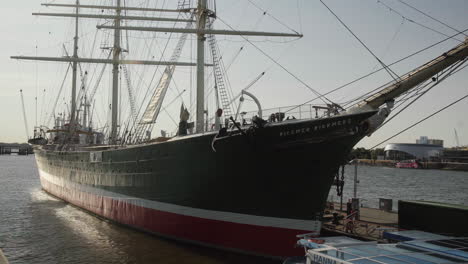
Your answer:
<point x="454" y="29"/>
<point x="35" y="125"/>
<point x="322" y="97"/>
<point x="387" y="48"/>
<point x="52" y="113"/>
<point x="42" y="106"/>
<point x="422" y="120"/>
<point x="449" y="72"/>
<point x="410" y="94"/>
<point x="299" y="16"/>
<point x="373" y="72"/>
<point x="412" y="21"/>
<point x="244" y="89"/>
<point x="148" y="50"/>
<point x="148" y="90"/>
<point x="233" y="59"/>
<point x="389" y="71"/>
<point x="270" y="15"/>
<point x="174" y="57"/>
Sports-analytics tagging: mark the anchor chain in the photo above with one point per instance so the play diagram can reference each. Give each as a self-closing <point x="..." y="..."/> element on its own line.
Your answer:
<point x="339" y="182"/>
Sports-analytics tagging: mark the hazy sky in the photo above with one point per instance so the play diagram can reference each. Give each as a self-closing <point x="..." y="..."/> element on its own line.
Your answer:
<point x="325" y="58"/>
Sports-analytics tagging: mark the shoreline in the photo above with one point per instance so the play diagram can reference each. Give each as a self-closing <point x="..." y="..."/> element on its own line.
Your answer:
<point x="455" y="166"/>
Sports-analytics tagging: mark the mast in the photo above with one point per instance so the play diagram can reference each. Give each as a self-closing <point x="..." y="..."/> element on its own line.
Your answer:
<point x="203" y="13"/>
<point x="115" y="76"/>
<point x="201" y="22"/>
<point x="75" y="66"/>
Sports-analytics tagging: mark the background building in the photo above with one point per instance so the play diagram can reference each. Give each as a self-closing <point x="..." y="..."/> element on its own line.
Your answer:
<point x="405" y="151"/>
<point x="455" y="155"/>
<point x="426" y="140"/>
<point x="422" y="140"/>
<point x="425" y="149"/>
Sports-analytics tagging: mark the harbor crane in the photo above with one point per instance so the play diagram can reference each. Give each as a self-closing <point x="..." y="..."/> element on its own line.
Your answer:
<point x="24" y="115"/>
<point x="456" y="138"/>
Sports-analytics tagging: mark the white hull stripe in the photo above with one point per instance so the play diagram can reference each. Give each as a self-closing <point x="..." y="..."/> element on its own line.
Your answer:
<point x="306" y="225"/>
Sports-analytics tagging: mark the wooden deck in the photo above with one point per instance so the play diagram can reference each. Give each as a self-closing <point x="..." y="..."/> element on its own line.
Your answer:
<point x="370" y="226"/>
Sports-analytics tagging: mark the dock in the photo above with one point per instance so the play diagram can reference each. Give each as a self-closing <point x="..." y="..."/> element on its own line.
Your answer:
<point x="14" y="148"/>
<point x="378" y="216"/>
<point x="369" y="225"/>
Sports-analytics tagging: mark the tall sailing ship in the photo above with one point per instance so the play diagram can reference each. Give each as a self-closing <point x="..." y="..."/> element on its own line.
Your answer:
<point x="189" y="186"/>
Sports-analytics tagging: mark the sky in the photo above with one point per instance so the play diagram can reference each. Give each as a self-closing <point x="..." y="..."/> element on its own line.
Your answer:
<point x="325" y="58"/>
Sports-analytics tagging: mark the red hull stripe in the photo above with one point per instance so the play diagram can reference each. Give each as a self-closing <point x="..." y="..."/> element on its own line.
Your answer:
<point x="305" y="225"/>
<point x="259" y="240"/>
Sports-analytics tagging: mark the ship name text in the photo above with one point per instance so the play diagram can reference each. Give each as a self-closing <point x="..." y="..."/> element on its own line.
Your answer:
<point x="318" y="127"/>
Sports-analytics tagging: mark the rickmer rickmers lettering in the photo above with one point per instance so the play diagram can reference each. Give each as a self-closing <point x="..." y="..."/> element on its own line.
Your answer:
<point x="315" y="127"/>
<point x="248" y="185"/>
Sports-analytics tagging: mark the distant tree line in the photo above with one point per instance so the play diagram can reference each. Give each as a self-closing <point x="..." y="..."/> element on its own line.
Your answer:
<point x="362" y="153"/>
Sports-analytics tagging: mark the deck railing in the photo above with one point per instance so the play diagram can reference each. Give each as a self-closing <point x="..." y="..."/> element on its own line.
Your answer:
<point x="305" y="111"/>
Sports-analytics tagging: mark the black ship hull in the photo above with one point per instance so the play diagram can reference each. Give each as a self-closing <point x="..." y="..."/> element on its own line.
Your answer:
<point x="252" y="190"/>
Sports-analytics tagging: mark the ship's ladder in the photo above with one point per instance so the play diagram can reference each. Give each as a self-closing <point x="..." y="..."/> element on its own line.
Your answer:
<point x="143" y="126"/>
<point x="220" y="86"/>
<point x="184" y="4"/>
<point x="131" y="96"/>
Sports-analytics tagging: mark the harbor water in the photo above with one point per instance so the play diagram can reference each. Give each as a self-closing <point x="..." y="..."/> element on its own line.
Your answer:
<point x="38" y="228"/>
<point x="376" y="182"/>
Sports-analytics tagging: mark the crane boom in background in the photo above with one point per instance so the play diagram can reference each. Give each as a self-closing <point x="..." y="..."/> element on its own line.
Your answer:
<point x="24" y="115"/>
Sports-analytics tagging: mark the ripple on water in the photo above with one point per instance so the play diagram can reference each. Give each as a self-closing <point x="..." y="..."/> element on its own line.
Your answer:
<point x="405" y="184"/>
